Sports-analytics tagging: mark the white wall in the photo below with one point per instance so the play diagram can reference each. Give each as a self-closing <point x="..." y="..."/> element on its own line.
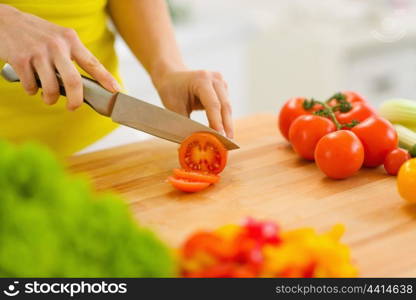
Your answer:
<point x="270" y="50"/>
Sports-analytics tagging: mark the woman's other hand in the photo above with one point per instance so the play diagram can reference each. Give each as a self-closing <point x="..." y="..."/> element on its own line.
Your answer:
<point x="185" y="91"/>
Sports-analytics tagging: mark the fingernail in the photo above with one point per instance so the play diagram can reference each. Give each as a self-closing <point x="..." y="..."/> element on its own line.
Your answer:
<point x="32" y="92"/>
<point x="116" y="86"/>
<point x="71" y="107"/>
<point x="44" y="99"/>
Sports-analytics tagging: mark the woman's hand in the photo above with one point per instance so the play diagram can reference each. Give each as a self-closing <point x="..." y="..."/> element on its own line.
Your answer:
<point x="32" y="45"/>
<point x="146" y="27"/>
<point x="184" y="91"/>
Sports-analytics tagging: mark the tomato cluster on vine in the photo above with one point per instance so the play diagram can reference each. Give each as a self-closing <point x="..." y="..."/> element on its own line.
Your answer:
<point x="341" y="134"/>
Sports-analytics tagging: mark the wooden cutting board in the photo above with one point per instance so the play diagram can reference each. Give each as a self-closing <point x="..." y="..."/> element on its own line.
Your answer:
<point x="266" y="180"/>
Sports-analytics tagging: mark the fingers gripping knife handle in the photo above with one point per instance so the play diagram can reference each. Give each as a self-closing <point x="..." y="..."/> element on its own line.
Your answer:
<point x="95" y="95"/>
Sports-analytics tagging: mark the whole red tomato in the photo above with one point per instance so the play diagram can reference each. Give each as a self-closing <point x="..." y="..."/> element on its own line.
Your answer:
<point x="350" y="96"/>
<point x="306" y="131"/>
<point x="292" y="109"/>
<point x="339" y="154"/>
<point x="353" y="96"/>
<point x="359" y="108"/>
<point x="395" y="159"/>
<point x="359" y="112"/>
<point x="379" y="138"/>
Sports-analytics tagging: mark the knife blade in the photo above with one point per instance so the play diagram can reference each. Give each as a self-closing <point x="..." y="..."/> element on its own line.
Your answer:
<point x="135" y="113"/>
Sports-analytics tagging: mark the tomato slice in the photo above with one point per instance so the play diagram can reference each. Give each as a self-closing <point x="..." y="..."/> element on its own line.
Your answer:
<point x="202" y="151"/>
<point x="378" y="137"/>
<point x="187" y="185"/>
<point x="195" y="176"/>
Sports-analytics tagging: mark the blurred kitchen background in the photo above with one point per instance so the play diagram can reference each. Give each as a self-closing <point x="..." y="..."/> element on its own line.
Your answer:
<point x="270" y="50"/>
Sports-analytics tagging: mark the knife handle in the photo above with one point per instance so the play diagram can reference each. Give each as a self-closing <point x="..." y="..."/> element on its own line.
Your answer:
<point x="95" y="95"/>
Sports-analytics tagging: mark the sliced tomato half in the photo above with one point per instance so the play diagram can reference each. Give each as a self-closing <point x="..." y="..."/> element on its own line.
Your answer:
<point x="196" y="176"/>
<point x="203" y="152"/>
<point x="187" y="185"/>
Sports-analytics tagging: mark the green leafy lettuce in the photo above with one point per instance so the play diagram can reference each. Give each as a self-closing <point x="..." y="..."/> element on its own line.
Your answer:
<point x="53" y="225"/>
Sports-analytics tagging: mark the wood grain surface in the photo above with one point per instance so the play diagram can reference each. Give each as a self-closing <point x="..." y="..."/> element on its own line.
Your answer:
<point x="266" y="180"/>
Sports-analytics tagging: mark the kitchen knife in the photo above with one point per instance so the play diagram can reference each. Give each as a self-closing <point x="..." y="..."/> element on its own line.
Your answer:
<point x="135" y="113"/>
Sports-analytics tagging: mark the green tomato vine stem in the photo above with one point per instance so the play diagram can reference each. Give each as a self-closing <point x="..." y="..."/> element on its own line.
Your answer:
<point x="328" y="112"/>
<point x="413" y="151"/>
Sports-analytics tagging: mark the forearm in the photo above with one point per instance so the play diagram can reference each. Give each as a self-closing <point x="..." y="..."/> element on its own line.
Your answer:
<point x="146" y="27"/>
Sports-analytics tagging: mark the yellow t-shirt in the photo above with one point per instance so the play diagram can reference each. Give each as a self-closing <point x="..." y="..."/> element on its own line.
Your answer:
<point x="24" y="118"/>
